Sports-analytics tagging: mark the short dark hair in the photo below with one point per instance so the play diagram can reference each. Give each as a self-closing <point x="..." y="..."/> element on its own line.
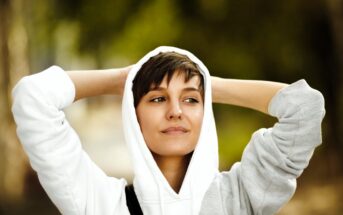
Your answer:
<point x="157" y="67"/>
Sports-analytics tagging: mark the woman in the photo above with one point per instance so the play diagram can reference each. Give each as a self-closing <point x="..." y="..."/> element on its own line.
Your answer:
<point x="170" y="130"/>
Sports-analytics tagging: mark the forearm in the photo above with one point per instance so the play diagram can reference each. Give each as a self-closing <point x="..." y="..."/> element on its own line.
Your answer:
<point x="98" y="82"/>
<point x="254" y="94"/>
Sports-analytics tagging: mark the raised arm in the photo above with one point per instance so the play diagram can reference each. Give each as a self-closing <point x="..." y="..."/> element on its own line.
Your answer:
<point x="70" y="178"/>
<point x="254" y="94"/>
<point x="98" y="82"/>
<point x="265" y="179"/>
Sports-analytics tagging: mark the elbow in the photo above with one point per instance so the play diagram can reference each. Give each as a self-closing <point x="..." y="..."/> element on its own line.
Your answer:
<point x="313" y="112"/>
<point x="316" y="104"/>
<point x="21" y="87"/>
<point x="23" y="95"/>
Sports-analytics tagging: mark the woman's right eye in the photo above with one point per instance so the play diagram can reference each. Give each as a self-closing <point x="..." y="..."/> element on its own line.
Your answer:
<point x="158" y="99"/>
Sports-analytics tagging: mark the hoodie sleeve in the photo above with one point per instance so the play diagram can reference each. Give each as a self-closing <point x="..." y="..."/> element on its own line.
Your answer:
<point x="265" y="179"/>
<point x="275" y="157"/>
<point x="72" y="181"/>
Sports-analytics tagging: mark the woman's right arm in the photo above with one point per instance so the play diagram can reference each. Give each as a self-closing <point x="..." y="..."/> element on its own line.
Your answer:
<point x="98" y="82"/>
<point x="72" y="181"/>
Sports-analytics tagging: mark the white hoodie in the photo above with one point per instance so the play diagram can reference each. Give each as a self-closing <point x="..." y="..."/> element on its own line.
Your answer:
<point x="152" y="189"/>
<point x="260" y="184"/>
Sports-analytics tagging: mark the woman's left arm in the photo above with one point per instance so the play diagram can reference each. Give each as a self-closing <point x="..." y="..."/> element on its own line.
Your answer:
<point x="265" y="179"/>
<point x="254" y="94"/>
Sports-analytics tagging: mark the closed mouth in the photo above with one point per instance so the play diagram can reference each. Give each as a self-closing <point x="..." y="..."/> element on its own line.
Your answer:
<point x="175" y="130"/>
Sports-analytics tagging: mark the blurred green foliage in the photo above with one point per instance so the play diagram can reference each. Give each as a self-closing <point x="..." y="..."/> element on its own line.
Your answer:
<point x="270" y="40"/>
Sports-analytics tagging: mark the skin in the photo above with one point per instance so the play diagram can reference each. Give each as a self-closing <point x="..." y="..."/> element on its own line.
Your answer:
<point x="170" y="118"/>
<point x="253" y="94"/>
<point x="177" y="111"/>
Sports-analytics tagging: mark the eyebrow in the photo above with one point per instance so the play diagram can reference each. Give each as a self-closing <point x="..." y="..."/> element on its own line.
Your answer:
<point x="184" y="89"/>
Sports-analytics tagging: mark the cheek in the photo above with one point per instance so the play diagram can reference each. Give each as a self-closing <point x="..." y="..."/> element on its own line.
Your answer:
<point x="148" y="122"/>
<point x="196" y="117"/>
<point x="145" y="123"/>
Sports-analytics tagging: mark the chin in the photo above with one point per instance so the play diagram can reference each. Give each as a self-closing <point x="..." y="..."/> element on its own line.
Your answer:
<point x="174" y="149"/>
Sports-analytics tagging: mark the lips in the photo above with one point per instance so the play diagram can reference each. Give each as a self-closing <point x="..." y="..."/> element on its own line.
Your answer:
<point x="175" y="130"/>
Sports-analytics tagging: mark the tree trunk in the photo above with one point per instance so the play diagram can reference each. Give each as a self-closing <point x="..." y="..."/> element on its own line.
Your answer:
<point x="13" y="60"/>
<point x="4" y="70"/>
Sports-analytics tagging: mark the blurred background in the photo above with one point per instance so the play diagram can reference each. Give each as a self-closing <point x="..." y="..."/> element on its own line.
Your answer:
<point x="269" y="40"/>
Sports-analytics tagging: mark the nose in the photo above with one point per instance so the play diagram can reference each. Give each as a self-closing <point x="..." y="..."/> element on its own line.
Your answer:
<point x="174" y="111"/>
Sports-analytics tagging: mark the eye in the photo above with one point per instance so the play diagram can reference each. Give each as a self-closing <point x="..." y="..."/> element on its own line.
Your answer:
<point x="191" y="100"/>
<point x="158" y="99"/>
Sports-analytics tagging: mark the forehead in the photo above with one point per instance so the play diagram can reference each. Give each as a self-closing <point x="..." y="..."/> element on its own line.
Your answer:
<point x="179" y="78"/>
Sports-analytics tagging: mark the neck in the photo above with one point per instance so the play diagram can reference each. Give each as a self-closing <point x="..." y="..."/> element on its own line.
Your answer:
<point x="173" y="168"/>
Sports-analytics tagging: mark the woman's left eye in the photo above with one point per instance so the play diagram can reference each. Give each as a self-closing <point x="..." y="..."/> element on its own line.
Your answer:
<point x="191" y="100"/>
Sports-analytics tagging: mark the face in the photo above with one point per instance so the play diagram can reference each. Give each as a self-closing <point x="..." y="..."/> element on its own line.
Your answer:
<point x="170" y="116"/>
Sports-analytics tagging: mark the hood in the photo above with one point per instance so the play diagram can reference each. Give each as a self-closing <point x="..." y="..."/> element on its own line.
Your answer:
<point x="153" y="191"/>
